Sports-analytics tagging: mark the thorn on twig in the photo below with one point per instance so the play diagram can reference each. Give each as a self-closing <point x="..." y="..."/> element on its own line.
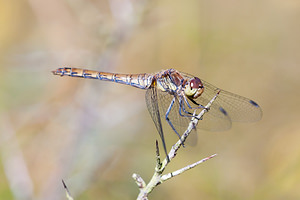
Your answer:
<point x="157" y="148"/>
<point x="158" y="161"/>
<point x="69" y="197"/>
<point x="66" y="188"/>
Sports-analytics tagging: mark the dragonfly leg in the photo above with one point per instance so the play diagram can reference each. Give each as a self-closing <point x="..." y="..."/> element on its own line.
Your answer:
<point x="169" y="122"/>
<point x="190" y="107"/>
<point x="182" y="108"/>
<point x="187" y="103"/>
<point x="194" y="102"/>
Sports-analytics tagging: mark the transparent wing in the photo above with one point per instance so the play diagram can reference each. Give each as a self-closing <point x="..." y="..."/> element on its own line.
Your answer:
<point x="153" y="108"/>
<point x="240" y="109"/>
<point x="179" y="122"/>
<point x="228" y="107"/>
<point x="214" y="119"/>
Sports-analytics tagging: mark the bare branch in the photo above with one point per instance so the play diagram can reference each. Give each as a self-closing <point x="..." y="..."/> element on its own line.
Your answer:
<point x="157" y="177"/>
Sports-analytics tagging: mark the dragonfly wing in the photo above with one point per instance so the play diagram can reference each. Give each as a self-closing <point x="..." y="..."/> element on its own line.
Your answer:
<point x="226" y="108"/>
<point x="214" y="119"/>
<point x="179" y="122"/>
<point x="153" y="108"/>
<point x="192" y="140"/>
<point x="240" y="109"/>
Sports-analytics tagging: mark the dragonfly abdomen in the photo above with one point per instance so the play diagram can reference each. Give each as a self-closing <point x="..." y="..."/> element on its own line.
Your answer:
<point x="142" y="81"/>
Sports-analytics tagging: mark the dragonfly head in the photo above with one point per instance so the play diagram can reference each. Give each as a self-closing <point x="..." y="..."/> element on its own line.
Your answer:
<point x="194" y="88"/>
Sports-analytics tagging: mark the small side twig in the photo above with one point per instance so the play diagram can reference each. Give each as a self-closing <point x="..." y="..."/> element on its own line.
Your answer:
<point x="180" y="171"/>
<point x="157" y="177"/>
<point x="69" y="197"/>
<point x="139" y="181"/>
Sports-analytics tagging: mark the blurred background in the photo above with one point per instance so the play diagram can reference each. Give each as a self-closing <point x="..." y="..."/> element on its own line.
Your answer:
<point x="95" y="135"/>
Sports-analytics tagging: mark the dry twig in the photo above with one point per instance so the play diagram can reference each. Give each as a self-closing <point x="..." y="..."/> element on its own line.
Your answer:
<point x="158" y="177"/>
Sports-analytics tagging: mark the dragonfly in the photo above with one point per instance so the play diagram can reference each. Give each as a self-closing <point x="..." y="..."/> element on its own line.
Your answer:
<point x="175" y="96"/>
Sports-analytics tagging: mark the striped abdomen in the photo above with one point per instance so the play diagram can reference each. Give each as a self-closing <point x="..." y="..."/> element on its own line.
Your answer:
<point x="142" y="81"/>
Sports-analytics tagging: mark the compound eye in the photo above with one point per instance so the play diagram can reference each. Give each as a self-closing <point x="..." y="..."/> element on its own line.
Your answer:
<point x="196" y="83"/>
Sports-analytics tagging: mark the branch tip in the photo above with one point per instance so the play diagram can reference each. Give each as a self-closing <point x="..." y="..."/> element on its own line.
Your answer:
<point x="139" y="181"/>
<point x="64" y="184"/>
<point x="69" y="197"/>
<point x="157" y="148"/>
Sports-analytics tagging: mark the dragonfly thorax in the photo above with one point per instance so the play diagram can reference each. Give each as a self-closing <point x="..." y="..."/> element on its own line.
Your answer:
<point x="165" y="84"/>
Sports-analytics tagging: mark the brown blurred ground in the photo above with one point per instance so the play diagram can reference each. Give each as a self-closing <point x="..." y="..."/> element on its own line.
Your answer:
<point x="94" y="135"/>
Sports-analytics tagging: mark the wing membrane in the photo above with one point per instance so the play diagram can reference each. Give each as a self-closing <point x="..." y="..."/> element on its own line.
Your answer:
<point x="226" y="108"/>
<point x="180" y="123"/>
<point x="153" y="108"/>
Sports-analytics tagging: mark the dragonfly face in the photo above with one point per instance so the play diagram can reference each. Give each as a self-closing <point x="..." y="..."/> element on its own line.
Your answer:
<point x="193" y="88"/>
